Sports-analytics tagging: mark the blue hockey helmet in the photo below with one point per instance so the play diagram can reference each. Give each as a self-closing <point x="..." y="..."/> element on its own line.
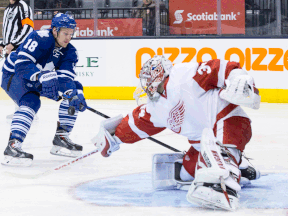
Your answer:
<point x="61" y="20"/>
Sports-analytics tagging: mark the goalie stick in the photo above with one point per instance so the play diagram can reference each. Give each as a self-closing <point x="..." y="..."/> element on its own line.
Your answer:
<point x="71" y="111"/>
<point x="49" y="171"/>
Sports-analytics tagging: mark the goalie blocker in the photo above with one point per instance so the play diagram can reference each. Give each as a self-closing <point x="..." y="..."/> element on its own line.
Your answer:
<point x="105" y="141"/>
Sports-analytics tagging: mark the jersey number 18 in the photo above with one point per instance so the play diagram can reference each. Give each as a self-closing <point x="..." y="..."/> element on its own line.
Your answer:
<point x="31" y="46"/>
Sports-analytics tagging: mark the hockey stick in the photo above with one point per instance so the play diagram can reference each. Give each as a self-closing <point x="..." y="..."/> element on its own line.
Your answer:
<point x="47" y="172"/>
<point x="71" y="111"/>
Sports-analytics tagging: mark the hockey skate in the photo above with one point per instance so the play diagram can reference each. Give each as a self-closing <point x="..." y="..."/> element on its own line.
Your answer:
<point x="15" y="156"/>
<point x="63" y="146"/>
<point x="216" y="179"/>
<point x="248" y="172"/>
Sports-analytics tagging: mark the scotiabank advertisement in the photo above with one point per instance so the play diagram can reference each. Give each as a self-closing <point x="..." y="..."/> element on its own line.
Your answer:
<point x="200" y="17"/>
<point x="106" y="27"/>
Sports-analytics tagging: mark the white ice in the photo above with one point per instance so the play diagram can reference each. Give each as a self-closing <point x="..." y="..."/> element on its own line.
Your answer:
<point x="54" y="194"/>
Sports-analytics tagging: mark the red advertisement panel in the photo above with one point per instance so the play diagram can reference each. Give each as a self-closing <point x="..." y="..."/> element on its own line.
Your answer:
<point x="106" y="27"/>
<point x="200" y="17"/>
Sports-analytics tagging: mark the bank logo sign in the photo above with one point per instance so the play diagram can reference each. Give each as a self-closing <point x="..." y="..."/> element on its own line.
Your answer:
<point x="178" y="16"/>
<point x="201" y="17"/>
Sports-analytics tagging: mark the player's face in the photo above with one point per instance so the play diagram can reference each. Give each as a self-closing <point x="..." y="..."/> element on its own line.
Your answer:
<point x="64" y="36"/>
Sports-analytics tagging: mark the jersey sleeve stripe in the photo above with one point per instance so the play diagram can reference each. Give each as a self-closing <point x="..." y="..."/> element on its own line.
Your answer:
<point x="33" y="77"/>
<point x="8" y="69"/>
<point x="28" y="56"/>
<point x="125" y="133"/>
<point x="21" y="60"/>
<point x="67" y="73"/>
<point x="63" y="76"/>
<point x="231" y="66"/>
<point x="136" y="130"/>
<point x="221" y="74"/>
<point x="10" y="61"/>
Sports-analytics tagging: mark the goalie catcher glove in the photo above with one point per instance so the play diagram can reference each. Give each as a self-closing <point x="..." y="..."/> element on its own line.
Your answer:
<point x="50" y="84"/>
<point x="105" y="140"/>
<point x="241" y="91"/>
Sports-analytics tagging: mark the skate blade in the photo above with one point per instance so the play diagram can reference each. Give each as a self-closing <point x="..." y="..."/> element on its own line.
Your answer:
<point x="20" y="162"/>
<point x="60" y="151"/>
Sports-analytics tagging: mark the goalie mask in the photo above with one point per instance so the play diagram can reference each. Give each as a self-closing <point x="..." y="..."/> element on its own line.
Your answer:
<point x="152" y="75"/>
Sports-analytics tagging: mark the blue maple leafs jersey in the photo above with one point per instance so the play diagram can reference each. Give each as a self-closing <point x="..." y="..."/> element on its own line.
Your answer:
<point x="38" y="53"/>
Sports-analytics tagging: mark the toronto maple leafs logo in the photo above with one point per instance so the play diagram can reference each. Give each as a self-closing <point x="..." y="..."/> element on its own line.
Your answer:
<point x="49" y="66"/>
<point x="43" y="33"/>
<point x="176" y="117"/>
<point x="57" y="52"/>
<point x="58" y="15"/>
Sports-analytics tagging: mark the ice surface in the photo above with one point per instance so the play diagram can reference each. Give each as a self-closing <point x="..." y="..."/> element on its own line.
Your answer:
<point x="58" y="193"/>
<point x="137" y="190"/>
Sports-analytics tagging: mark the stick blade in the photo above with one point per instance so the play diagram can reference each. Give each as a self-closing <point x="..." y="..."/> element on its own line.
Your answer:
<point x="47" y="172"/>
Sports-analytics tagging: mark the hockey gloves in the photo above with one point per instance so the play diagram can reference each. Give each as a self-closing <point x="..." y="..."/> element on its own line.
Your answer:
<point x="77" y="100"/>
<point x="105" y="140"/>
<point x="50" y="84"/>
<point x="240" y="91"/>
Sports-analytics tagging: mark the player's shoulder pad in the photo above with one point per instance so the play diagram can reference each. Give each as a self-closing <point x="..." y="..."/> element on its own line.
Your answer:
<point x="183" y="71"/>
<point x="44" y="38"/>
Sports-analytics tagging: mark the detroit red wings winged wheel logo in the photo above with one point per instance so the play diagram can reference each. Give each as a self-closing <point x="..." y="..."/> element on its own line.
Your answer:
<point x="176" y="117"/>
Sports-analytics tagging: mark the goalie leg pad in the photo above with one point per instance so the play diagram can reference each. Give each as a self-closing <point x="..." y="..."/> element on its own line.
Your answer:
<point x="166" y="172"/>
<point x="212" y="196"/>
<point x="212" y="173"/>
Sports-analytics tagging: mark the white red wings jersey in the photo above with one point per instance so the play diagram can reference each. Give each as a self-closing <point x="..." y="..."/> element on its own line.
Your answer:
<point x="190" y="102"/>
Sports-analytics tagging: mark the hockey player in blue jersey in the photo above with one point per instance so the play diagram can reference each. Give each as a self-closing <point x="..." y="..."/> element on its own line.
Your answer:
<point x="43" y="66"/>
